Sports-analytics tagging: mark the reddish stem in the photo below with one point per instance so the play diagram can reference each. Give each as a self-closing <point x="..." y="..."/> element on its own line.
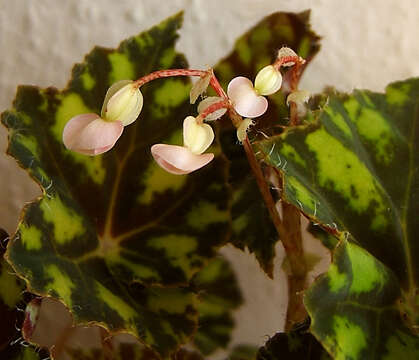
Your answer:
<point x="182" y="72"/>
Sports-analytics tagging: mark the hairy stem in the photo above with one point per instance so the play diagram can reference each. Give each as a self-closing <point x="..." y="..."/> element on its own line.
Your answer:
<point x="264" y="190"/>
<point x="297" y="277"/>
<point x="183" y="72"/>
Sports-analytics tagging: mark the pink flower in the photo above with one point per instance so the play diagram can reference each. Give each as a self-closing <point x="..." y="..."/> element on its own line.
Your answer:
<point x="181" y="160"/>
<point x="245" y="100"/>
<point x="88" y="134"/>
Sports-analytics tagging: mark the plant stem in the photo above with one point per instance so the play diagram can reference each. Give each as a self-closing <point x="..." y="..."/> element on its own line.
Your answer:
<point x="183" y="72"/>
<point x="289" y="231"/>
<point x="264" y="190"/>
<point x="296" y="311"/>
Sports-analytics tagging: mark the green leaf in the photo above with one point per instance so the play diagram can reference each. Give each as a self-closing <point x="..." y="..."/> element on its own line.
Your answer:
<point x="12" y="347"/>
<point x="252" y="227"/>
<point x="296" y="344"/>
<point x="356" y="170"/>
<point x="354" y="309"/>
<point x="219" y="296"/>
<point x="112" y="231"/>
<point x="11" y="288"/>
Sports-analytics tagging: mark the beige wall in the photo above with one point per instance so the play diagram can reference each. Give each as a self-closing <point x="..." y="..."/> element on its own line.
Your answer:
<point x="365" y="44"/>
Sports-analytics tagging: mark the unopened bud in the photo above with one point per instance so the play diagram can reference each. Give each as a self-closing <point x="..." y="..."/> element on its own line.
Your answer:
<point x="268" y="81"/>
<point x="123" y="102"/>
<point x="206" y="103"/>
<point x="242" y="129"/>
<point x="197" y="137"/>
<point x="287" y="52"/>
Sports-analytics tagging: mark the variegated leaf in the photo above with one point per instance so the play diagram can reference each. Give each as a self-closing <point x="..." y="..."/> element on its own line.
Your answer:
<point x="110" y="230"/>
<point x="355" y="309"/>
<point x="357" y="170"/>
<point x="11" y="288"/>
<point x="219" y="296"/>
<point x="252" y="227"/>
<point x="12" y="346"/>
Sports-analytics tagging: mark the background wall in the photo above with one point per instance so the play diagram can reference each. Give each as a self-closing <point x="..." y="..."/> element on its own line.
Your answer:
<point x="365" y="44"/>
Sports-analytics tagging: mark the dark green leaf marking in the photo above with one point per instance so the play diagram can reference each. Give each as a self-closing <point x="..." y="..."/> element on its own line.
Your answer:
<point x="112" y="231"/>
<point x="356" y="169"/>
<point x="341" y="172"/>
<point x="219" y="296"/>
<point x="257" y="48"/>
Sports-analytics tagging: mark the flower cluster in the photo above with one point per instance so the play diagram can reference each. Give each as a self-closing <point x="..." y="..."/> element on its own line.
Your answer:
<point x="91" y="134"/>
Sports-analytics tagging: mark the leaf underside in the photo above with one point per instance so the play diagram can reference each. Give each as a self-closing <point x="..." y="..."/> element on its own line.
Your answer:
<point x="356" y="172"/>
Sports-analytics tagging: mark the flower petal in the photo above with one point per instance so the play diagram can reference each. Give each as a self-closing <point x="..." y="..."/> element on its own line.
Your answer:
<point x="197" y="137"/>
<point x="88" y="134"/>
<point x="122" y="105"/>
<point x="115" y="87"/>
<point x="245" y="99"/>
<point x="268" y="80"/>
<point x="179" y="160"/>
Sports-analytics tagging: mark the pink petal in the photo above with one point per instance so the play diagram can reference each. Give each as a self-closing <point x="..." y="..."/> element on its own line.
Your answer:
<point x="88" y="134"/>
<point x="179" y="160"/>
<point x="245" y="99"/>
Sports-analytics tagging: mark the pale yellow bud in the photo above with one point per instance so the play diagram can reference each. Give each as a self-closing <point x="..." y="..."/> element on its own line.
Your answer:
<point x="268" y="81"/>
<point x="197" y="137"/>
<point x="242" y="129"/>
<point x="123" y="102"/>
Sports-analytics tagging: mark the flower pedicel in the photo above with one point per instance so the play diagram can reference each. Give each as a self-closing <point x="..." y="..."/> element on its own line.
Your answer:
<point x="91" y="134"/>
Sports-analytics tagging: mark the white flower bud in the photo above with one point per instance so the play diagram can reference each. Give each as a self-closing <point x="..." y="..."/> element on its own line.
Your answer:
<point x="123" y="102"/>
<point x="206" y="103"/>
<point x="268" y="81"/>
<point x="242" y="129"/>
<point x="197" y="137"/>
